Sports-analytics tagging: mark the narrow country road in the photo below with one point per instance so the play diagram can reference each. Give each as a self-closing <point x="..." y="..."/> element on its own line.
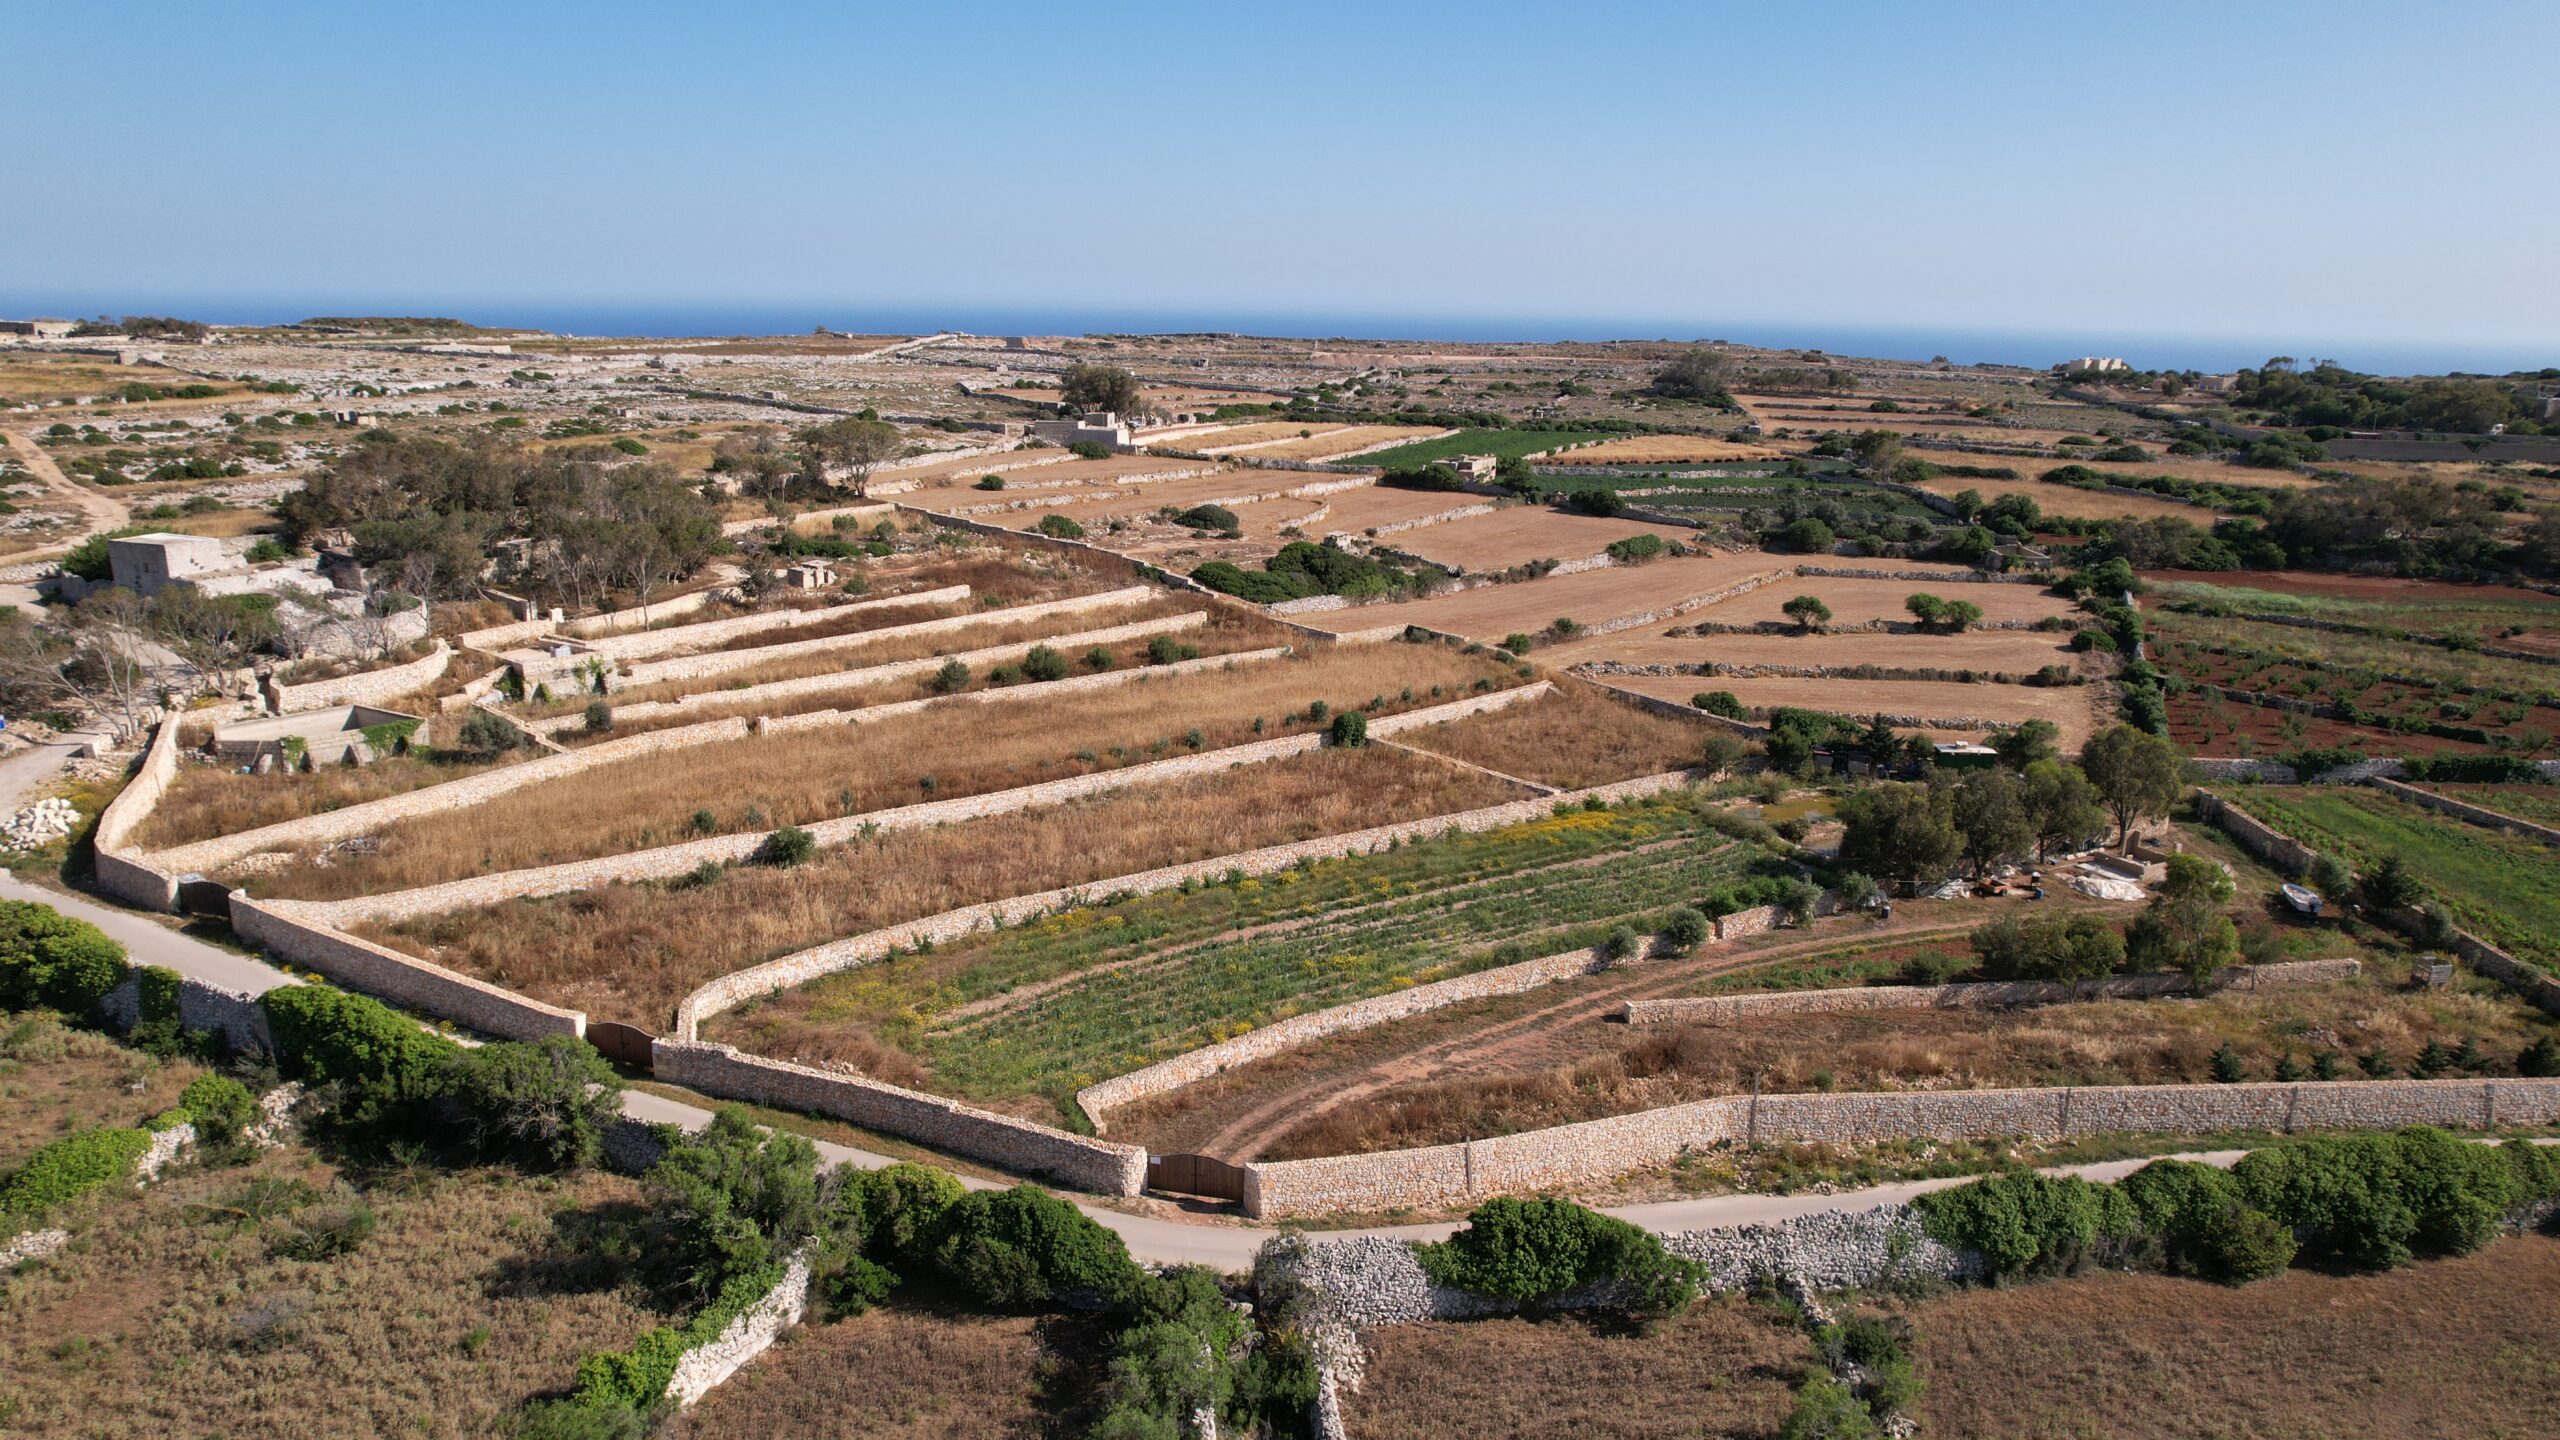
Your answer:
<point x="1161" y="1239"/>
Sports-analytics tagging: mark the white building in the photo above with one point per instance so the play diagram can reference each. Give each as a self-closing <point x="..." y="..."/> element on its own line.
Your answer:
<point x="1100" y="428"/>
<point x="149" y="564"/>
<point x="2093" y="365"/>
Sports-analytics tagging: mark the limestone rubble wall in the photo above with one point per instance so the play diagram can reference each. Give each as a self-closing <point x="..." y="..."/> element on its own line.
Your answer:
<point x="124" y="871"/>
<point x="721" y="662"/>
<point x="288" y="930"/>
<point x="370" y="687"/>
<point x="640" y="644"/>
<point x="1992" y="995"/>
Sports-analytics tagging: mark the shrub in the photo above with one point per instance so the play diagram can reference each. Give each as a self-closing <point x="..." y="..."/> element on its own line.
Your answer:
<point x="1621" y="943"/>
<point x="1806" y="536"/>
<point x="1044" y="663"/>
<point x="1427" y="477"/>
<point x="1165" y="650"/>
<point x="990" y="482"/>
<point x="599" y="717"/>
<point x="1024" y="1248"/>
<point x="1535" y="1251"/>
<point x="488" y="733"/>
<point x="1350" y="730"/>
<point x="1098" y="659"/>
<point x="1594" y="501"/>
<point x="1684" y="929"/>
<point x="70" y="1167"/>
<point x="580" y="1420"/>
<point x="1826" y="1409"/>
<point x="2205" y="1226"/>
<point x="1090" y="450"/>
<point x="325" y="1036"/>
<point x="1207" y="517"/>
<point x="2028" y="1223"/>
<point x="893" y="1213"/>
<point x="736" y="1198"/>
<point x="1719" y="702"/>
<point x="1636" y="549"/>
<point x="327" y="1232"/>
<point x="221" y="1107"/>
<point x="951" y="677"/>
<point x="1059" y="527"/>
<point x="2539" y="1059"/>
<point x="786" y="847"/>
<point x="48" y="958"/>
<point x="2373" y="1201"/>
<point x="543" y="1103"/>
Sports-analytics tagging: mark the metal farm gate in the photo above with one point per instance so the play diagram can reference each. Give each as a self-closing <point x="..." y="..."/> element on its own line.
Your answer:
<point x="628" y="1044"/>
<point x="1203" y="1175"/>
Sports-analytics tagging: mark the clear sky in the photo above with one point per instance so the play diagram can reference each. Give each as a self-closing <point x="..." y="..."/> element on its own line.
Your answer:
<point x="2333" y="174"/>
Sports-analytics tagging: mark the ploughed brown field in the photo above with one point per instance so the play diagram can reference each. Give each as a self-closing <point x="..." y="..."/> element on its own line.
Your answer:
<point x="2078" y="711"/>
<point x="1855" y="602"/>
<point x="1519" y="534"/>
<point x="1662" y="450"/>
<point x="2442" y="1350"/>
<point x="632" y="951"/>
<point x="767" y="781"/>
<point x="1725" y="1368"/>
<point x="2013" y="652"/>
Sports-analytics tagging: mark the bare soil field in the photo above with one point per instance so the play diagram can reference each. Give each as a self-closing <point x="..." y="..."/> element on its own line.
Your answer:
<point x="2014" y="652"/>
<point x="2077" y="710"/>
<point x="634" y="950"/>
<point x="767" y="781"/>
<point x="2376" y="589"/>
<point x="1251" y="434"/>
<point x="1663" y="450"/>
<point x="1855" y="602"/>
<point x="1574" y="737"/>
<point x="1724" y="1368"/>
<point x="898" y="1373"/>
<point x="1589" y="598"/>
<point x="1370" y="507"/>
<point x="172" y="1315"/>
<point x="1342" y="441"/>
<point x="1519" y="534"/>
<point x="2065" y="500"/>
<point x="2144" y="1357"/>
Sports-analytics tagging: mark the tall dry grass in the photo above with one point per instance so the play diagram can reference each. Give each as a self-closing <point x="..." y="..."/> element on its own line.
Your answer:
<point x="2107" y="1042"/>
<point x="764" y="782"/>
<point x="901" y="1373"/>
<point x="210" y="799"/>
<point x="1571" y="738"/>
<point x="632" y="951"/>
<point x="55" y="1079"/>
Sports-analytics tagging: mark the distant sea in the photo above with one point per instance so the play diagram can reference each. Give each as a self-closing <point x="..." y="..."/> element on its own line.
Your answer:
<point x="1920" y="343"/>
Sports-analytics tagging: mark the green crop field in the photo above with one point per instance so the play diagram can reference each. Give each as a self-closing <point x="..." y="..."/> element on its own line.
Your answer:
<point x="2537" y="803"/>
<point x="1055" y="1005"/>
<point x="2501" y="887"/>
<point x="1502" y="444"/>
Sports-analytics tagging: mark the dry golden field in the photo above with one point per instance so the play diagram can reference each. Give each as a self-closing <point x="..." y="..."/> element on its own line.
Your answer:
<point x="1343" y="440"/>
<point x="1663" y="450"/>
<point x="1571" y="738"/>
<point x="1519" y="534"/>
<point x="2065" y="500"/>
<point x="1255" y="434"/>
<point x="2016" y="652"/>
<point x="1590" y="597"/>
<point x="2080" y="711"/>
<point x="1856" y="602"/>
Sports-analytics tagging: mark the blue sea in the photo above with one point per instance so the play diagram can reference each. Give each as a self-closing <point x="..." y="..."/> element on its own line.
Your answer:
<point x="1920" y="343"/>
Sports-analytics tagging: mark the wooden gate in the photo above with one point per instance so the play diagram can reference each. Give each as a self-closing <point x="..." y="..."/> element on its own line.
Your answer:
<point x="1203" y="1175"/>
<point x="628" y="1044"/>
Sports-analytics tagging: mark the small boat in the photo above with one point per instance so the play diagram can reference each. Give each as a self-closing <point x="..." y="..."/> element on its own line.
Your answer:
<point x="2305" y="900"/>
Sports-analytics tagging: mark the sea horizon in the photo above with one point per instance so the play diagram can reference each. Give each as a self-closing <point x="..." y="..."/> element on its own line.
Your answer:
<point x="2031" y="348"/>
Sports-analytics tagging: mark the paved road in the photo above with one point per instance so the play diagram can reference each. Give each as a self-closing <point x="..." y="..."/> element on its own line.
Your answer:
<point x="1164" y="1239"/>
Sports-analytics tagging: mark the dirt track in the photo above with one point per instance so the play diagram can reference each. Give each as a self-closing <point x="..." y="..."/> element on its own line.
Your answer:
<point x="98" y="512"/>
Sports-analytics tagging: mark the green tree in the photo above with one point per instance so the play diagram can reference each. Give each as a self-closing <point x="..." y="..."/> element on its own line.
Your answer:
<point x="854" y="444"/>
<point x="1100" y="387"/>
<point x="2389" y="886"/>
<point x="1876" y="451"/>
<point x="541" y="1103"/>
<point x="1807" y="611"/>
<point x="2183" y="928"/>
<point x="1990" y="813"/>
<point x="2138" y="775"/>
<point x="734" y="1196"/>
<point x="1905" y="834"/>
<point x="1694" y="375"/>
<point x="2062" y="806"/>
<point x="2027" y="742"/>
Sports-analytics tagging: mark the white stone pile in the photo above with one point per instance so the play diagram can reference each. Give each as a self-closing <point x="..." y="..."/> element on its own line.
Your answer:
<point x="45" y="821"/>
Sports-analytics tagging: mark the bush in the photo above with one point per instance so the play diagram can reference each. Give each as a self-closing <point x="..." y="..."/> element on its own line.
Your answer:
<point x="990" y="482"/>
<point x="953" y="676"/>
<point x="599" y="717"/>
<point x="1044" y="663"/>
<point x="1595" y="501"/>
<point x="1350" y="730"/>
<point x="48" y="958"/>
<point x="2206" y="1228"/>
<point x="1165" y="650"/>
<point x="2374" y="1201"/>
<point x="736" y="1198"/>
<point x="1024" y="1248"/>
<point x="578" y="1420"/>
<point x="1090" y="450"/>
<point x="1428" y="477"/>
<point x="2028" y="1223"/>
<point x="1621" y="943"/>
<point x="786" y="847"/>
<point x="894" y="1213"/>
<point x="324" y="1036"/>
<point x="70" y="1167"/>
<point x="1826" y="1409"/>
<point x="1720" y="702"/>
<point x="1208" y="517"/>
<point x="1536" y="1251"/>
<point x="1684" y="929"/>
<point x="542" y="1103"/>
<point x="2081" y="947"/>
<point x="221" y="1107"/>
<point x="1059" y="527"/>
<point x="488" y="733"/>
<point x="1636" y="549"/>
<point x="1807" y="536"/>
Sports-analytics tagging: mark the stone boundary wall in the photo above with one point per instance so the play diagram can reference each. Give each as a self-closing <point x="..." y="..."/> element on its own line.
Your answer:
<point x="1953" y="577"/>
<point x="123" y="871"/>
<point x="1390" y="443"/>
<point x="1454" y="1176"/>
<point x="1683" y="607"/>
<point x="1424" y="522"/>
<point x="1991" y="995"/>
<point x="670" y="860"/>
<point x="280" y="928"/>
<point x="1194" y="1066"/>
<point x="2464" y="810"/>
<point x="2288" y="855"/>
<point x="1001" y="1140"/>
<point x="516" y="632"/>
<point x="898" y="670"/>
<point x="1668" y="709"/>
<point x="745" y="1337"/>
<point x="718" y="662"/>
<point x="235" y="1015"/>
<point x="2241" y="768"/>
<point x="642" y="644"/>
<point x="806" y="965"/>
<point x="371" y="687"/>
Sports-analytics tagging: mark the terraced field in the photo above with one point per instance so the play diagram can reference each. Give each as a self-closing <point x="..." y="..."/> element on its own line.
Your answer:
<point x="2501" y="887"/>
<point x="1048" y="1008"/>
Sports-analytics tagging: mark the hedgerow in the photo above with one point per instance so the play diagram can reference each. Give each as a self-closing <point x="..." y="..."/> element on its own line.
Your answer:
<point x="1539" y="1251"/>
<point x="49" y="959"/>
<point x="72" y="1166"/>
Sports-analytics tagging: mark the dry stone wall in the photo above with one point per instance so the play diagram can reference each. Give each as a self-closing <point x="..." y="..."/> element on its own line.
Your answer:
<point x="285" y="929"/>
<point x="745" y="1337"/>
<point x="720" y="662"/>
<point x="1454" y="1176"/>
<point x="2464" y="810"/>
<point x="884" y="674"/>
<point x="644" y="643"/>
<point x="203" y="1008"/>
<point x="2278" y="849"/>
<point x="1996" y="995"/>
<point x="807" y="965"/>
<point x="372" y="687"/>
<point x="1001" y="1140"/>
<point x="123" y="871"/>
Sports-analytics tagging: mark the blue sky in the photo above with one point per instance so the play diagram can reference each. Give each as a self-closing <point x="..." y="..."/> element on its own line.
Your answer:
<point x="2338" y="174"/>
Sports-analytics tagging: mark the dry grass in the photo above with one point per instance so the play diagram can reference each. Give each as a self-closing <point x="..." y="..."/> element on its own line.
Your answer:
<point x="1336" y="442"/>
<point x="2108" y="1042"/>
<point x="214" y="798"/>
<point x="1724" y="1368"/>
<point x="2016" y="652"/>
<point x="631" y="951"/>
<point x="2446" y="1350"/>
<point x="1589" y="597"/>
<point x="1519" y="534"/>
<point x="170" y="1317"/>
<point x="2076" y="710"/>
<point x="1253" y="434"/>
<point x="894" y="1374"/>
<point x="799" y="777"/>
<point x="55" y="1080"/>
<point x="1571" y="738"/>
<point x="1855" y="602"/>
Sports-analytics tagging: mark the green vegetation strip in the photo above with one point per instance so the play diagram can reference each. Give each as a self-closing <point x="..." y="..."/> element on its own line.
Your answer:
<point x="1501" y="444"/>
<point x="2501" y="887"/>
